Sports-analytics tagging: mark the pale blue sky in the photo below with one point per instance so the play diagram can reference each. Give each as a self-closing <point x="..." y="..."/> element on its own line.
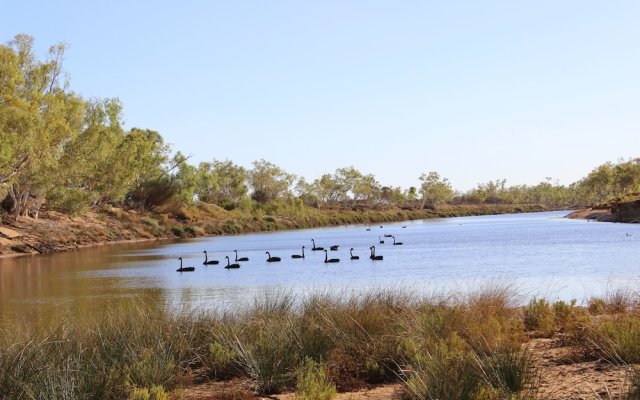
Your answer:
<point x="475" y="90"/>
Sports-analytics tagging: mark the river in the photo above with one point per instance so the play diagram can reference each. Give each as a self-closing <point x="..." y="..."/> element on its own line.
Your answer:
<point x="540" y="254"/>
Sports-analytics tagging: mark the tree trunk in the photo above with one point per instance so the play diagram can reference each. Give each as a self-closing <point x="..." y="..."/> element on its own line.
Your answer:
<point x="22" y="200"/>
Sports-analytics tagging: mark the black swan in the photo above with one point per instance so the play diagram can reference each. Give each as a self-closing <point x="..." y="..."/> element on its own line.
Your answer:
<point x="207" y="261"/>
<point x="334" y="247"/>
<point x="352" y="256"/>
<point x="380" y="240"/>
<point x="271" y="259"/>
<point x="330" y="260"/>
<point x="396" y="243"/>
<point x="242" y="258"/>
<point x="373" y="254"/>
<point x="298" y="255"/>
<point x="184" y="269"/>
<point x="314" y="248"/>
<point x="229" y="265"/>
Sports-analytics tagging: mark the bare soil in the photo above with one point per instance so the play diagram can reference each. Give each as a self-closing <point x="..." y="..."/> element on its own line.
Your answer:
<point x="562" y="373"/>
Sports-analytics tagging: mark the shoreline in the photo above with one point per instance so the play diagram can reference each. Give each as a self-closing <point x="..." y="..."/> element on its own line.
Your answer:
<point x="624" y="209"/>
<point x="56" y="232"/>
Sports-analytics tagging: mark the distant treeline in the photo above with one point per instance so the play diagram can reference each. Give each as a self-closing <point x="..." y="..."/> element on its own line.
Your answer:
<point x="68" y="153"/>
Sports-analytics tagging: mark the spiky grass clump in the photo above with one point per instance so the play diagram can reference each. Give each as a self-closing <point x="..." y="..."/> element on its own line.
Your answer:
<point x="453" y="346"/>
<point x="616" y="338"/>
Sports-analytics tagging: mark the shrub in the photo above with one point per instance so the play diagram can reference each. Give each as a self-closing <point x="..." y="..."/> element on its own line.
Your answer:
<point x="73" y="201"/>
<point x="177" y="231"/>
<point x="155" y="393"/>
<point x="265" y="348"/>
<point x="539" y="316"/>
<point x="446" y="370"/>
<point x="508" y="370"/>
<point x="614" y="302"/>
<point x="313" y="383"/>
<point x="616" y="339"/>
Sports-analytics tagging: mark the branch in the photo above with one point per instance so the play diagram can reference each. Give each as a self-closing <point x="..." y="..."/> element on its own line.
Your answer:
<point x="15" y="170"/>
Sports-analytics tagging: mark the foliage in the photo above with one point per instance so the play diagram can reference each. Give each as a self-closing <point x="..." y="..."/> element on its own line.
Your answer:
<point x="539" y="316"/>
<point x="269" y="182"/>
<point x="616" y="339"/>
<point x="313" y="383"/>
<point x="434" y="190"/>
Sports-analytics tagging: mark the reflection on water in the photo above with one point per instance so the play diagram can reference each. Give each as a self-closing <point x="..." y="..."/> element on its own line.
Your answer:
<point x="541" y="253"/>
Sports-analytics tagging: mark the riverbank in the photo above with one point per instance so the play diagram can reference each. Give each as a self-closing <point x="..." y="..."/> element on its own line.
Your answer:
<point x="622" y="209"/>
<point x="56" y="232"/>
<point x="469" y="346"/>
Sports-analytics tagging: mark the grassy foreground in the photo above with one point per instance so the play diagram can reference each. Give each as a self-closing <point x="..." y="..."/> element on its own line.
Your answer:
<point x="471" y="346"/>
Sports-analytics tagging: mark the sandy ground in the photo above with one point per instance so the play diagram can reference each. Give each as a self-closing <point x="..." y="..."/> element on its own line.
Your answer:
<point x="561" y="374"/>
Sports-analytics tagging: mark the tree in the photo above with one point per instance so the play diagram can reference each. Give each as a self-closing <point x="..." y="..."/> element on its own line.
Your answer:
<point x="366" y="188"/>
<point x="434" y="190"/>
<point x="346" y="180"/>
<point x="269" y="182"/>
<point x="206" y="183"/>
<point x="307" y="193"/>
<point x="326" y="188"/>
<point x="39" y="114"/>
<point x="89" y="167"/>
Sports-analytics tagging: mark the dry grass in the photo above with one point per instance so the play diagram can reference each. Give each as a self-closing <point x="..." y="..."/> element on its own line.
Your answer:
<point x="471" y="346"/>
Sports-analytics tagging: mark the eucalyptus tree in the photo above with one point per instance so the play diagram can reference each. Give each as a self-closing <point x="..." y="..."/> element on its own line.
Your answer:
<point x="627" y="176"/>
<point x="269" y="182"/>
<point x="231" y="182"/>
<point x="366" y="188"/>
<point x="435" y="190"/>
<point x="307" y="193"/>
<point x="326" y="188"/>
<point x="38" y="115"/>
<point x="90" y="164"/>
<point x="206" y="183"/>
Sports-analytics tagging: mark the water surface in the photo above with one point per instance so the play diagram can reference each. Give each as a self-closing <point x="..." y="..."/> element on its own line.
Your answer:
<point x="540" y="253"/>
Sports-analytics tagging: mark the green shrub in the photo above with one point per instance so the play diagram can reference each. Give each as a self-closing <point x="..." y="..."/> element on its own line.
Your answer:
<point x="616" y="339"/>
<point x="312" y="382"/>
<point x="190" y="230"/>
<point x="445" y="370"/>
<point x="73" y="201"/>
<point x="177" y="231"/>
<point x="155" y="393"/>
<point x="266" y="351"/>
<point x="539" y="316"/>
<point x="222" y="360"/>
<point x="509" y="370"/>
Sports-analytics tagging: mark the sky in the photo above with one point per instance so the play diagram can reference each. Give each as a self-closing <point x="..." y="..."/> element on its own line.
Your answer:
<point x="475" y="90"/>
